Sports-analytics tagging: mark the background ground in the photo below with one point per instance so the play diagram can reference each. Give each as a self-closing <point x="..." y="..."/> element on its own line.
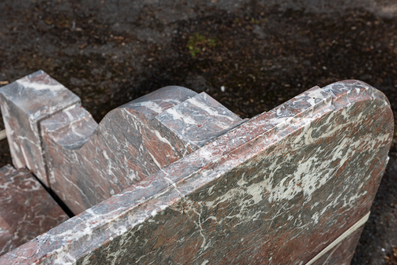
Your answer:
<point x="262" y="53"/>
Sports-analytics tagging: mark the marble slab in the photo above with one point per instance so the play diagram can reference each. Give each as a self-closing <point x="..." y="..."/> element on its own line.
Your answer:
<point x="277" y="189"/>
<point x="26" y="209"/>
<point x="24" y="104"/>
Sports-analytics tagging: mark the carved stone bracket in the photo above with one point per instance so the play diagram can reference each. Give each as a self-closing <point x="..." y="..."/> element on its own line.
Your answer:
<point x="174" y="177"/>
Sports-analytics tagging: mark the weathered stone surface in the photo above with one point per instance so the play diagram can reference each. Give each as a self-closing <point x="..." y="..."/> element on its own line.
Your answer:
<point x="26" y="209"/>
<point x="277" y="189"/>
<point x="24" y="104"/>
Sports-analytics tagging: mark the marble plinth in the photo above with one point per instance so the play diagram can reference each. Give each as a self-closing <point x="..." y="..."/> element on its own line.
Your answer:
<point x="24" y="104"/>
<point x="276" y="189"/>
<point x="26" y="209"/>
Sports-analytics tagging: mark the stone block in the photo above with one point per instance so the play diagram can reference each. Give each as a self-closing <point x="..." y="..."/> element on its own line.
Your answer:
<point x="24" y="104"/>
<point x="88" y="163"/>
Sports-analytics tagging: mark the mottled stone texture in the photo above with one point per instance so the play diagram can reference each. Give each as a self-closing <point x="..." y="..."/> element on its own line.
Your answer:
<point x="88" y="163"/>
<point x="198" y="119"/>
<point x="24" y="104"/>
<point x="26" y="209"/>
<point x="342" y="253"/>
<point x="276" y="189"/>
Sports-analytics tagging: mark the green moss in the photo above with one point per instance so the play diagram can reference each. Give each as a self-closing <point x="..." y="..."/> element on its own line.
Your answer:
<point x="198" y="43"/>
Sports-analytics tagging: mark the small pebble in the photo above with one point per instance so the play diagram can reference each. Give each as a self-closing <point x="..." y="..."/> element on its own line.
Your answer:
<point x="222" y="88"/>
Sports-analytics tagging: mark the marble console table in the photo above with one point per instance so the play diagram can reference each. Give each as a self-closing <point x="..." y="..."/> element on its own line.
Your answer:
<point x="176" y="178"/>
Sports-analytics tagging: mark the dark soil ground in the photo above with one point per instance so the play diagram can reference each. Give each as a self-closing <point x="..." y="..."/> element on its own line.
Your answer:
<point x="111" y="52"/>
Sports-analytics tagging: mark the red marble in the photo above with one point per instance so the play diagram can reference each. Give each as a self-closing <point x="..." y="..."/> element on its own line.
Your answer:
<point x="24" y="104"/>
<point x="129" y="144"/>
<point x="199" y="119"/>
<point x="26" y="209"/>
<point x="342" y="253"/>
<point x="275" y="189"/>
